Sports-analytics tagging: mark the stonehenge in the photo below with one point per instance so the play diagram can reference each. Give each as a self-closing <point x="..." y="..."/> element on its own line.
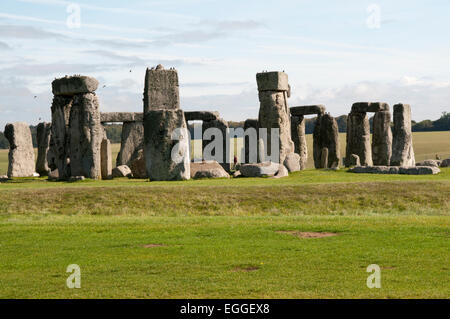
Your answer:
<point x="21" y="152"/>
<point x="155" y="143"/>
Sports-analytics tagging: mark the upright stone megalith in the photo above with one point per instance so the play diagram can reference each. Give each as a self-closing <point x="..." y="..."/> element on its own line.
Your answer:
<point x="86" y="135"/>
<point x="211" y="147"/>
<point x="161" y="89"/>
<point x="250" y="154"/>
<point x="326" y="135"/>
<point x="402" y="145"/>
<point x="358" y="138"/>
<point x="382" y="138"/>
<point x="76" y="128"/>
<point x="299" y="138"/>
<point x="21" y="152"/>
<point x="166" y="145"/>
<point x="43" y="133"/>
<point x="274" y="112"/>
<point x="106" y="159"/>
<point x="132" y="142"/>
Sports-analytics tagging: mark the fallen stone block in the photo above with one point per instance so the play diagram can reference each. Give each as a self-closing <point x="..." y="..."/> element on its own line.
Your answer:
<point x="122" y="171"/>
<point x="445" y="163"/>
<point x="430" y="162"/>
<point x="77" y="84"/>
<point x="292" y="162"/>
<point x="259" y="169"/>
<point x="415" y="170"/>
<point x="282" y="172"/>
<point x="208" y="169"/>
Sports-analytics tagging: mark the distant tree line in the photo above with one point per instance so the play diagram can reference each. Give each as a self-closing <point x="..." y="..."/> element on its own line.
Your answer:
<point x="114" y="131"/>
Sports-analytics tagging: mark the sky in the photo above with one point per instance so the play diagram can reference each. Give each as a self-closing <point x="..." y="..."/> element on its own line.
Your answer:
<point x="334" y="52"/>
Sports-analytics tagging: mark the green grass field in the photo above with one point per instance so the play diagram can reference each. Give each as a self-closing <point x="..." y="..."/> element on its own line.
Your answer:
<point x="230" y="238"/>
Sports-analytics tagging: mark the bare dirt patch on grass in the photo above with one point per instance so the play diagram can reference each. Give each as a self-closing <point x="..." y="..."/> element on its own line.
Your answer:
<point x="300" y="234"/>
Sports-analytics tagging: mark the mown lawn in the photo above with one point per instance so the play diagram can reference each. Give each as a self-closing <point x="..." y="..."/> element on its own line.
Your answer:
<point x="224" y="238"/>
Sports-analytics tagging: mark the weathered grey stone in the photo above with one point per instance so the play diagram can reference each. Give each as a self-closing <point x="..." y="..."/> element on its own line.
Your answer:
<point x="122" y="171"/>
<point x="58" y="156"/>
<point x="419" y="170"/>
<point x="274" y="113"/>
<point x="382" y="138"/>
<point x="138" y="166"/>
<point x="222" y="125"/>
<point x="250" y="144"/>
<point x="282" y="172"/>
<point x="260" y="169"/>
<point x="299" y="138"/>
<point x="429" y="162"/>
<point x="161" y="89"/>
<point x="272" y="81"/>
<point x="364" y="107"/>
<point x="120" y="117"/>
<point x="358" y="138"/>
<point x="445" y="163"/>
<point x="132" y="142"/>
<point x="237" y="174"/>
<point x="208" y="169"/>
<point x="201" y="116"/>
<point x="307" y="110"/>
<point x="416" y="170"/>
<point x="21" y="152"/>
<point x="159" y="127"/>
<point x="3" y="178"/>
<point x="353" y="160"/>
<point x="402" y="145"/>
<point x="53" y="175"/>
<point x="292" y="162"/>
<point x="86" y="135"/>
<point x="71" y="85"/>
<point x="326" y="135"/>
<point x="43" y="132"/>
<point x="106" y="159"/>
<point x="324" y="158"/>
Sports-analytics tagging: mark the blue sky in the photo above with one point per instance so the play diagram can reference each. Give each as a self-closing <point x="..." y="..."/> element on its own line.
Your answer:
<point x="335" y="52"/>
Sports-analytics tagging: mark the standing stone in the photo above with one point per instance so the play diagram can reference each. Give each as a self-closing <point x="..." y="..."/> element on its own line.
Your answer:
<point x="274" y="111"/>
<point x="21" y="152"/>
<point x="292" y="162"/>
<point x="159" y="127"/>
<point x="250" y="146"/>
<point x="358" y="138"/>
<point x="137" y="165"/>
<point x="43" y="143"/>
<point x="86" y="135"/>
<point x="402" y="146"/>
<point x="326" y="135"/>
<point x="222" y="125"/>
<point x="106" y="159"/>
<point x="299" y="139"/>
<point x="132" y="143"/>
<point x="59" y="144"/>
<point x="161" y="89"/>
<point x="382" y="138"/>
